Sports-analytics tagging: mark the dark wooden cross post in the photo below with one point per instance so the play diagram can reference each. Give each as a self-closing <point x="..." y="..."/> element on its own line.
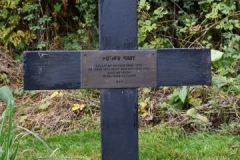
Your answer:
<point x="119" y="113"/>
<point x="118" y="68"/>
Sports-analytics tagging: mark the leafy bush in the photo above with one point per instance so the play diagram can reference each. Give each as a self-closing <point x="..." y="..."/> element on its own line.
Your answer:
<point x="58" y="24"/>
<point x="72" y="25"/>
<point x="184" y="24"/>
<point x="64" y="24"/>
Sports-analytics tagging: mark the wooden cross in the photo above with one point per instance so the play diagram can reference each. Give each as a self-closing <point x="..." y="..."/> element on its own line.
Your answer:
<point x="118" y="68"/>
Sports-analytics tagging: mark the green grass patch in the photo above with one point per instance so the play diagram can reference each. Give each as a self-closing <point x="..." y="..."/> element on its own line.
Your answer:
<point x="82" y="145"/>
<point x="156" y="143"/>
<point x="164" y="143"/>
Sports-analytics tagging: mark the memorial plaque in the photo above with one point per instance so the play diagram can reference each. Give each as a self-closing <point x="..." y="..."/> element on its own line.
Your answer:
<point x="119" y="69"/>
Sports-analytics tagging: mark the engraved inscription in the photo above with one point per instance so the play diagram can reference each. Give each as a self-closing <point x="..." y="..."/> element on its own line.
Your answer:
<point x="119" y="69"/>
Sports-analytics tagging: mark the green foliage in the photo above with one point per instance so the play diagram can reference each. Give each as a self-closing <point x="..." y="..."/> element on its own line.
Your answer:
<point x="58" y="24"/>
<point x="172" y="143"/>
<point x="82" y="144"/>
<point x="230" y="63"/>
<point x="187" y="24"/>
<point x="9" y="145"/>
<point x="72" y="25"/>
<point x="229" y="85"/>
<point x="7" y="149"/>
<point x="14" y="37"/>
<point x="64" y="24"/>
<point x="4" y="78"/>
<point x="150" y="25"/>
<point x="179" y="98"/>
<point x="184" y="24"/>
<point x="158" y="142"/>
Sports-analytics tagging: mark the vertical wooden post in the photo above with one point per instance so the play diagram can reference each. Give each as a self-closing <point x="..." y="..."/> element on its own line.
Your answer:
<point x="119" y="113"/>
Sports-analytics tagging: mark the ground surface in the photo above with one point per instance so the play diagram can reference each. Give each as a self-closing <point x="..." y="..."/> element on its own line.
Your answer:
<point x="65" y="110"/>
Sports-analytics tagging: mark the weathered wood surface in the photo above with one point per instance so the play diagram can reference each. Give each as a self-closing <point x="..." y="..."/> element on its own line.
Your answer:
<point x="52" y="70"/>
<point x="61" y="69"/>
<point x="119" y="111"/>
<point x="178" y="67"/>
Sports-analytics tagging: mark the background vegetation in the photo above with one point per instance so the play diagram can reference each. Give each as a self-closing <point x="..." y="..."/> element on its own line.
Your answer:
<point x="73" y="25"/>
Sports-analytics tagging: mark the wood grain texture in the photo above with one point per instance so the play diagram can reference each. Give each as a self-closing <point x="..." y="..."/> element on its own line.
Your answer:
<point x="119" y="112"/>
<point x="61" y="70"/>
<point x="119" y="107"/>
<point x="119" y="124"/>
<point x="52" y="70"/>
<point x="178" y="67"/>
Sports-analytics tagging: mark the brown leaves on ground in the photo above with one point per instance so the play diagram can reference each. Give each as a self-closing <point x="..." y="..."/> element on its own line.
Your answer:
<point x="61" y="111"/>
<point x="13" y="71"/>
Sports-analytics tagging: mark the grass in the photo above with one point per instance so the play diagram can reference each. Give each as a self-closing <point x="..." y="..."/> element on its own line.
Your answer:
<point x="163" y="143"/>
<point x="7" y="136"/>
<point x="156" y="143"/>
<point x="76" y="145"/>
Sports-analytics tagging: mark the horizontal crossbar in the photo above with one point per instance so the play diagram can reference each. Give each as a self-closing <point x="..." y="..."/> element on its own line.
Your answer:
<point x="45" y="70"/>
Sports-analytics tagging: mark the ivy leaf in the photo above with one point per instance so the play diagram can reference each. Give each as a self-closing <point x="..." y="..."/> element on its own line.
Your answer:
<point x="6" y="95"/>
<point x="237" y="79"/>
<point x="202" y="118"/>
<point x="4" y="13"/>
<point x="192" y="112"/>
<point x="44" y="105"/>
<point x="142" y="104"/>
<point x="216" y="55"/>
<point x="219" y="81"/>
<point x="146" y="90"/>
<point x="142" y="3"/>
<point x="183" y="94"/>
